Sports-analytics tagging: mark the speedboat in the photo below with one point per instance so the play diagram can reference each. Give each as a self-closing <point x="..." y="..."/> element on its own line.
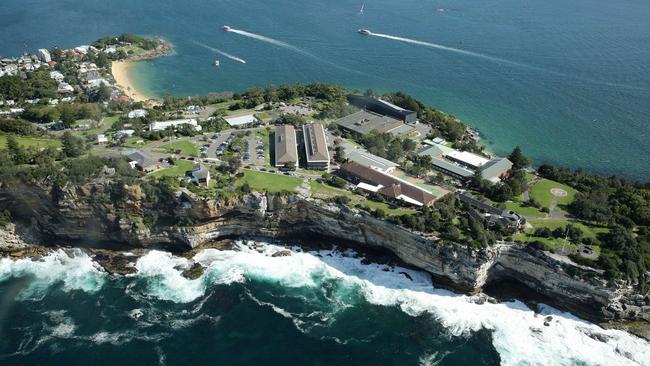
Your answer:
<point x="364" y="31"/>
<point x="216" y="63"/>
<point x="226" y="28"/>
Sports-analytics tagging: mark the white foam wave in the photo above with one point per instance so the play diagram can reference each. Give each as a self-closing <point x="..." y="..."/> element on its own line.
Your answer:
<point x="216" y="50"/>
<point x="74" y="269"/>
<point x="270" y="40"/>
<point x="519" y="334"/>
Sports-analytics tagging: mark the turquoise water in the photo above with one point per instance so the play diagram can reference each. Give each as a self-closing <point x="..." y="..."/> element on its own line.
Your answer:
<point x="248" y="308"/>
<point x="569" y="81"/>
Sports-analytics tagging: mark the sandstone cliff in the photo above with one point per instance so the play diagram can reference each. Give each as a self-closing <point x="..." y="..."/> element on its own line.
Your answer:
<point x="84" y="215"/>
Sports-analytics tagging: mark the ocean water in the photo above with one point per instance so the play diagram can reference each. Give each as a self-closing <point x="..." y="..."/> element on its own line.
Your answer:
<point x="248" y="308"/>
<point x="569" y="81"/>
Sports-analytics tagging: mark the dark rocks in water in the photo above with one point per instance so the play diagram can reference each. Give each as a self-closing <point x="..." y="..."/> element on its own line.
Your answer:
<point x="406" y="275"/>
<point x="115" y="262"/>
<point x="281" y="253"/>
<point x="548" y="320"/>
<point x="194" y="272"/>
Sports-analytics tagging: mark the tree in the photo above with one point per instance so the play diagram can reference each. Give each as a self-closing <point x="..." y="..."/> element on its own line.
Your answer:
<point x="519" y="161"/>
<point x="290" y="165"/>
<point x="72" y="146"/>
<point x="16" y="152"/>
<point x="103" y="93"/>
<point x="339" y="154"/>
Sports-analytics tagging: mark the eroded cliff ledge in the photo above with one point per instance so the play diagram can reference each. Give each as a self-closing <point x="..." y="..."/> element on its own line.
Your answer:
<point x="83" y="215"/>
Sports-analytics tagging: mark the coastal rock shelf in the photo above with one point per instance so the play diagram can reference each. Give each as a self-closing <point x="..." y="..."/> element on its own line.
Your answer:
<point x="78" y="214"/>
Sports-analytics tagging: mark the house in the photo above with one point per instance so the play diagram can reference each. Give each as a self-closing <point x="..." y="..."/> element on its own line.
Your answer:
<point x="318" y="157"/>
<point x="245" y="120"/>
<point x="57" y="76"/>
<point x="391" y="187"/>
<point x="162" y="125"/>
<point x="491" y="215"/>
<point x="102" y="139"/>
<point x="286" y="147"/>
<point x="137" y="113"/>
<point x="122" y="133"/>
<point x="201" y="175"/>
<point x="496" y="169"/>
<point x="142" y="161"/>
<point x="64" y="88"/>
<point x="44" y="55"/>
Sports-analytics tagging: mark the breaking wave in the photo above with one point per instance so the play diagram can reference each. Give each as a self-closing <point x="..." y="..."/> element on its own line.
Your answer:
<point x="319" y="286"/>
<point x="73" y="269"/>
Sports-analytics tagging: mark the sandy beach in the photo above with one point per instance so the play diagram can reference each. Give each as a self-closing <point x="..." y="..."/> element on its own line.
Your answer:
<point x="120" y="71"/>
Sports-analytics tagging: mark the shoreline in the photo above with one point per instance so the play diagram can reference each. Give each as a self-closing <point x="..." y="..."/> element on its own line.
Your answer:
<point x="120" y="71"/>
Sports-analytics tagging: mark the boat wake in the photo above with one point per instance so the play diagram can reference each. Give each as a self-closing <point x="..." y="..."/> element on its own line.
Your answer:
<point x="502" y="60"/>
<point x="216" y="50"/>
<point x="445" y="48"/>
<point x="270" y="40"/>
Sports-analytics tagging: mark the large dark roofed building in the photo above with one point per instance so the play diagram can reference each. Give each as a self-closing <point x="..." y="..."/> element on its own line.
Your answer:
<point x="364" y="122"/>
<point x="286" y="148"/>
<point x="318" y="157"/>
<point x="387" y="185"/>
<point x="383" y="107"/>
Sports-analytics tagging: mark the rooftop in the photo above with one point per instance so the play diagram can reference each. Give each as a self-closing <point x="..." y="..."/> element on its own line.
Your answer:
<point x="286" y="148"/>
<point x="364" y="122"/>
<point x="315" y="142"/>
<point x="240" y="120"/>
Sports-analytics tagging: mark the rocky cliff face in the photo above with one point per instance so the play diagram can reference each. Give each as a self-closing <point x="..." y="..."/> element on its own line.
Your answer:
<point x="82" y="214"/>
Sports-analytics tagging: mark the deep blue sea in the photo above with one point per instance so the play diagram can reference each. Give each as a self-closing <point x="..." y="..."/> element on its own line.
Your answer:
<point x="569" y="81"/>
<point x="249" y="308"/>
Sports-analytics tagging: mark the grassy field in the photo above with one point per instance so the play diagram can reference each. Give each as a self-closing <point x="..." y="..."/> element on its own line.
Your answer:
<point x="178" y="170"/>
<point x="186" y="148"/>
<point x="30" y="142"/>
<point x="270" y="182"/>
<point x="588" y="230"/>
<point x="519" y="208"/>
<point x="542" y="192"/>
<point x="321" y="190"/>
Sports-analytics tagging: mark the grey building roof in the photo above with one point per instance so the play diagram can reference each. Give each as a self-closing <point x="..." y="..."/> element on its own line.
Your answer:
<point x="286" y="148"/>
<point x="200" y="172"/>
<point x="364" y="122"/>
<point x="495" y="168"/>
<point x="453" y="168"/>
<point x="367" y="159"/>
<point x="141" y="158"/>
<point x="315" y="142"/>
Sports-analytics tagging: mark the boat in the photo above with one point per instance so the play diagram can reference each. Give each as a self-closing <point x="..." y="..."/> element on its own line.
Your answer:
<point x="362" y="6"/>
<point x="216" y="63"/>
<point x="364" y="31"/>
<point x="226" y="28"/>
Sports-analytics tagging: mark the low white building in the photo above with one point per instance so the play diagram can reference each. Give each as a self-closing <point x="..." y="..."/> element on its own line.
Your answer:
<point x="121" y="133"/>
<point x="64" y="88"/>
<point x="137" y="113"/>
<point x="162" y="125"/>
<point x="57" y="76"/>
<point x="44" y="55"/>
<point x="102" y="139"/>
<point x="241" y="120"/>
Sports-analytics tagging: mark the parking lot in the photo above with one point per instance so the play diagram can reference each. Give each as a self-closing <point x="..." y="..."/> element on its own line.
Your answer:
<point x="253" y="150"/>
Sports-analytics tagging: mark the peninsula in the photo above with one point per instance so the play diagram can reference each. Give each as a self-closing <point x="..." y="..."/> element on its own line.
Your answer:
<point x="84" y="162"/>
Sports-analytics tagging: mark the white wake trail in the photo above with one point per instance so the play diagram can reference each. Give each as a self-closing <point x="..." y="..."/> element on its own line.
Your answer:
<point x="216" y="50"/>
<point x="446" y="48"/>
<point x="270" y="40"/>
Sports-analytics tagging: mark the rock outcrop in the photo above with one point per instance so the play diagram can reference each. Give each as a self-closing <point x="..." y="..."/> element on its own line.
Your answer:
<point x="83" y="215"/>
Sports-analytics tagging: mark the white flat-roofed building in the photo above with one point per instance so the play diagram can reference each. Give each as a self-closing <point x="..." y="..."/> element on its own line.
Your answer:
<point x="161" y="125"/>
<point x="44" y="55"/>
<point x="102" y="139"/>
<point x="241" y="120"/>
<point x="467" y="158"/>
<point x="137" y="113"/>
<point x="57" y="76"/>
<point x="318" y="157"/>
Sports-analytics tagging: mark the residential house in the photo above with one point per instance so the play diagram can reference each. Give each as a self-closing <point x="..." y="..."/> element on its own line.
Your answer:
<point x="201" y="175"/>
<point x="142" y="161"/>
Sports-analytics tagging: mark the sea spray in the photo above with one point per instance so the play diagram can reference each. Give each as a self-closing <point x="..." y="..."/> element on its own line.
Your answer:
<point x="216" y="50"/>
<point x="74" y="269"/>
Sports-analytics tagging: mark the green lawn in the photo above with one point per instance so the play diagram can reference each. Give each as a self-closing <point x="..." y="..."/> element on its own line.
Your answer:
<point x="321" y="190"/>
<point x="186" y="148"/>
<point x="270" y="182"/>
<point x="31" y="142"/>
<point x="587" y="229"/>
<point x="542" y="192"/>
<point x="519" y="208"/>
<point x="178" y="170"/>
